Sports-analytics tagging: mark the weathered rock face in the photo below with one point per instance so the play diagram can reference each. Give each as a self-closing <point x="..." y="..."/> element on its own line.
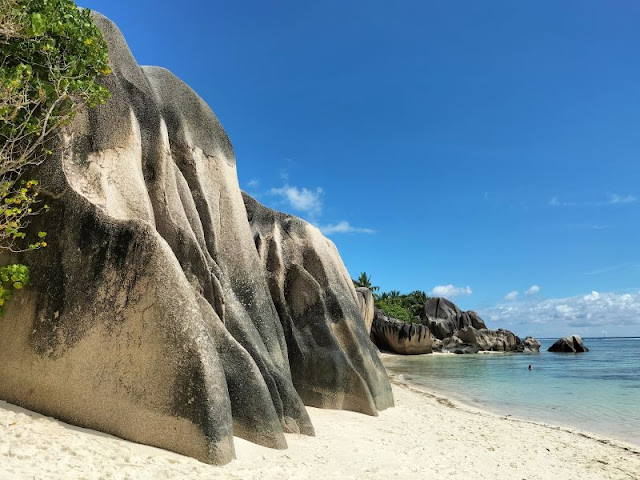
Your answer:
<point x="456" y="345"/>
<point x="489" y="340"/>
<point x="398" y="337"/>
<point x="570" y="344"/>
<point x="366" y="304"/>
<point x="444" y="318"/>
<point x="150" y="316"/>
<point x="333" y="362"/>
<point x="530" y="344"/>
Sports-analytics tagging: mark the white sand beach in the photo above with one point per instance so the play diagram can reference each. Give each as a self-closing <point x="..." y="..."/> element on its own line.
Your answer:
<point x="424" y="436"/>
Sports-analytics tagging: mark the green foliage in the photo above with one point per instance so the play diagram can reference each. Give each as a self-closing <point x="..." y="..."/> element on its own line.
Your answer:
<point x="52" y="56"/>
<point x="15" y="210"/>
<point x="394" y="309"/>
<point x="403" y="307"/>
<point x="50" y="60"/>
<point x="12" y="277"/>
<point x="364" y="280"/>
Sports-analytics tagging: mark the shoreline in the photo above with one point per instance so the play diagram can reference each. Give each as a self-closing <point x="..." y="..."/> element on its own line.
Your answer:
<point x="443" y="399"/>
<point x="522" y="412"/>
<point x="425" y="435"/>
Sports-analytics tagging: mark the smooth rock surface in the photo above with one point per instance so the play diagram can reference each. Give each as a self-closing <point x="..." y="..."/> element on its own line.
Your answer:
<point x="333" y="362"/>
<point x="149" y="316"/>
<point x="366" y="304"/>
<point x="530" y="344"/>
<point x="569" y="344"/>
<point x="456" y="345"/>
<point x="444" y="318"/>
<point x="395" y="336"/>
<point x="489" y="340"/>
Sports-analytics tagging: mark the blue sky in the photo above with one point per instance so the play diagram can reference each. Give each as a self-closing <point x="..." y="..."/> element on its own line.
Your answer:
<point x="471" y="148"/>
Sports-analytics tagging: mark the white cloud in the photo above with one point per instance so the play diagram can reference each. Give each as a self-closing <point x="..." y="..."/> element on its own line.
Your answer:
<point x="343" y="227"/>
<point x="613" y="268"/>
<point x="511" y="295"/>
<point x="592" y="297"/>
<point x="301" y="199"/>
<point x="615" y="199"/>
<point x="532" y="290"/>
<point x="450" y="291"/>
<point x="311" y="202"/>
<point x="253" y="183"/>
<point x="582" y="314"/>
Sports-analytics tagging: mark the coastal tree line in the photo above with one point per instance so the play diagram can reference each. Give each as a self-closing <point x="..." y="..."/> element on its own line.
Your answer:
<point x="405" y="307"/>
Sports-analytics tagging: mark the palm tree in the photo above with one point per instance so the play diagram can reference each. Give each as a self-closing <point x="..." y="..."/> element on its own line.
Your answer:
<point x="364" y="280"/>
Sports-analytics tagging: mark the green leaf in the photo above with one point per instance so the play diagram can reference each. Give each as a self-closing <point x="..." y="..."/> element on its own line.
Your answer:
<point x="37" y="24"/>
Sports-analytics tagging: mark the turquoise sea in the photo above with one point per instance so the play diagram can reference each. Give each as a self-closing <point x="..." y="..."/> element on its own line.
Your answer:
<point x="597" y="391"/>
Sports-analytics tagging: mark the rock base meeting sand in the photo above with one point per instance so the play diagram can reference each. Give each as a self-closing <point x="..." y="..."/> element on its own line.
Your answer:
<point x="424" y="436"/>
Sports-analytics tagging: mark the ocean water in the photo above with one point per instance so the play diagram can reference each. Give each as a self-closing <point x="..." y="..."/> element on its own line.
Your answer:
<point x="597" y="391"/>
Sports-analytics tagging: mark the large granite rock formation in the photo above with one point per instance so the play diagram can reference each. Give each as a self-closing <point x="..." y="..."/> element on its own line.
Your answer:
<point x="395" y="336"/>
<point x="444" y="318"/>
<point x="150" y="316"/>
<point x="569" y="344"/>
<point x="333" y="362"/>
<point x="456" y="345"/>
<point x="489" y="340"/>
<point x="366" y="304"/>
<point x="530" y="344"/>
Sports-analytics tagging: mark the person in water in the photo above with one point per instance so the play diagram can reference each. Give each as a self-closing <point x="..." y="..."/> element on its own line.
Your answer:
<point x="530" y="367"/>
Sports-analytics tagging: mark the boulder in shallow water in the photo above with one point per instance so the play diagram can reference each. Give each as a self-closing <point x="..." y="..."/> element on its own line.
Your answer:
<point x="455" y="345"/>
<point x="499" y="340"/>
<point x="489" y="340"/>
<point x="530" y="344"/>
<point x="569" y="344"/>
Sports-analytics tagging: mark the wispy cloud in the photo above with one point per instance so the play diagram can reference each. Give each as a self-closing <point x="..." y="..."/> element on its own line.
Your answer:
<point x="614" y="268"/>
<point x="450" y="291"/>
<point x="309" y="201"/>
<point x="301" y="199"/>
<point x="613" y="199"/>
<point x="532" y="290"/>
<point x="580" y="314"/>
<point x="253" y="183"/>
<point x="343" y="227"/>
<point x="511" y="296"/>
<point x="588" y="226"/>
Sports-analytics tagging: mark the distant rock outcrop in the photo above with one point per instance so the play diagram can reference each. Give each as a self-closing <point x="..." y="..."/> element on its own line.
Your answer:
<point x="150" y="315"/>
<point x="489" y="340"/>
<point x="366" y="304"/>
<point x="569" y="344"/>
<point x="530" y="344"/>
<point x="398" y="337"/>
<point x="333" y="362"/>
<point x="456" y="345"/>
<point x="444" y="318"/>
<point x="444" y="327"/>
